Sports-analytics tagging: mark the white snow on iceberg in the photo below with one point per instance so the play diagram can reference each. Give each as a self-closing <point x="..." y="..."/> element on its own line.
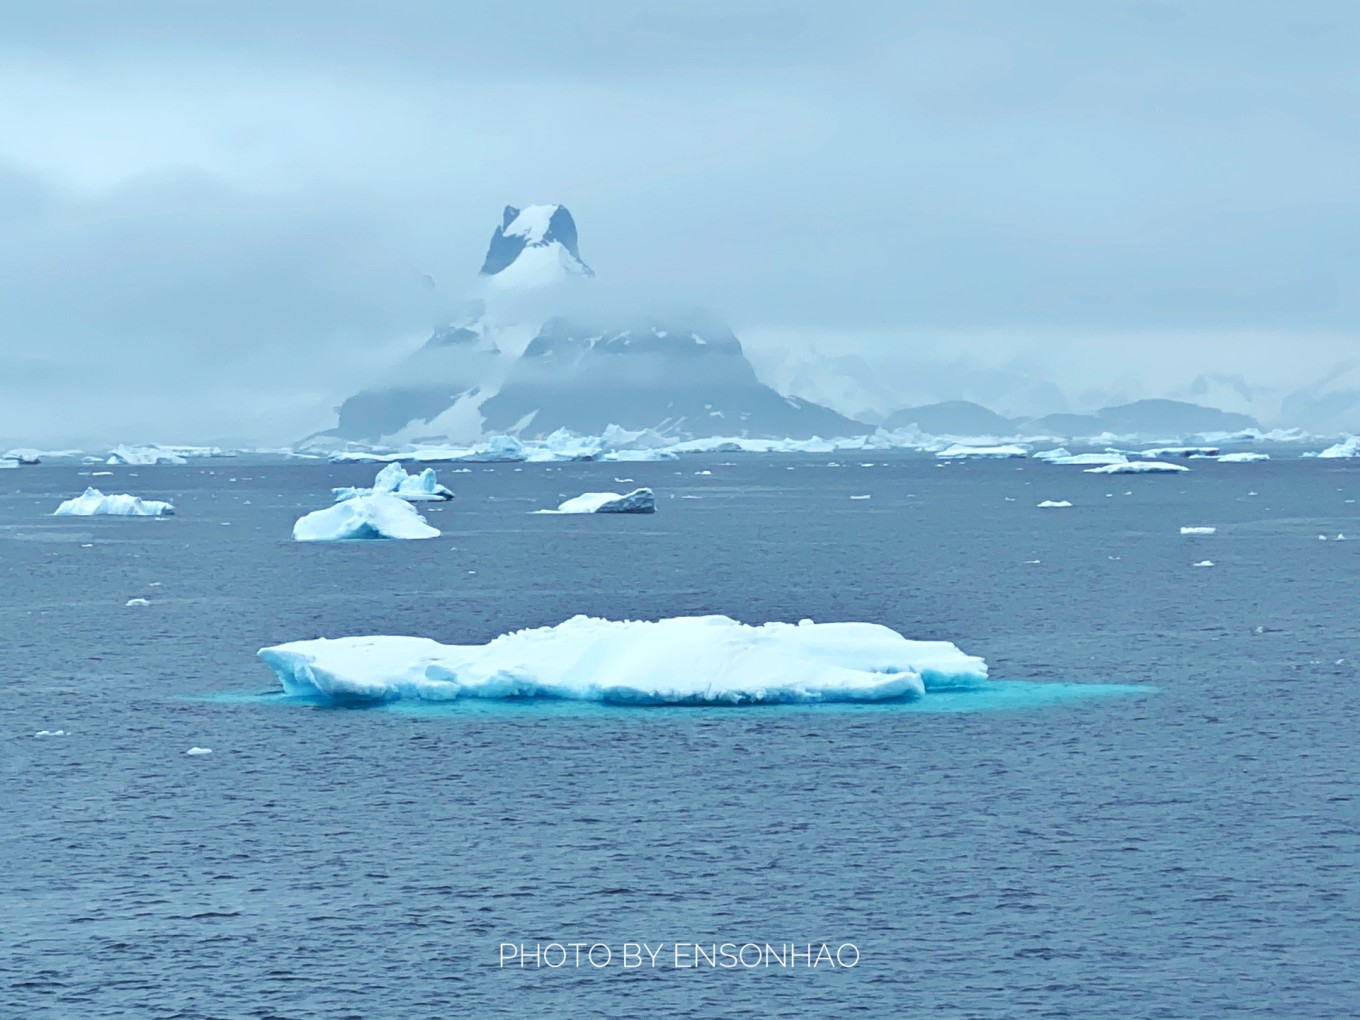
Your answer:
<point x="92" y="502"/>
<point x="1050" y="504"/>
<point x="1087" y="459"/>
<point x="1242" y="458"/>
<point x="639" y="501"/>
<point x="697" y="660"/>
<point x="1199" y="531"/>
<point x="394" y="480"/>
<point x="155" y="454"/>
<point x="1138" y="467"/>
<point x="364" y="517"/>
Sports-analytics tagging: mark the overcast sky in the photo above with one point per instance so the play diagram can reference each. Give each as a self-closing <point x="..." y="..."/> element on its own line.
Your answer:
<point x="216" y="217"/>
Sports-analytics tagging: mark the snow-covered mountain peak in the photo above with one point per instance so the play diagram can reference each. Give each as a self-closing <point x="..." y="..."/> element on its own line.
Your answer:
<point x="534" y="247"/>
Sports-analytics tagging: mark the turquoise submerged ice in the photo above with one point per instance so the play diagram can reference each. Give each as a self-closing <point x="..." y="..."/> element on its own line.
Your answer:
<point x="682" y="661"/>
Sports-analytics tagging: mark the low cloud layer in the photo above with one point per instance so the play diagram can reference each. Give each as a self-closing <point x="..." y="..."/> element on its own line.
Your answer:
<point x="218" y="218"/>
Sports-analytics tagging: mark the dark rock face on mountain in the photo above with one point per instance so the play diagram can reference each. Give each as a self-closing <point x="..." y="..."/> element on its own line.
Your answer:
<point x="685" y="375"/>
<point x="952" y="418"/>
<point x="449" y="366"/>
<point x="537" y="226"/>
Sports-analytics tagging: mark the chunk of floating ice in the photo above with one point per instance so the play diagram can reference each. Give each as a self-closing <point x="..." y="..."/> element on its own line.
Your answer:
<point x="1054" y="504"/>
<point x="364" y="517"/>
<point x="1198" y="531"/>
<point x="197" y="751"/>
<point x="1204" y="563"/>
<point x="1340" y="537"/>
<point x="394" y="480"/>
<point x="50" y="733"/>
<point x="639" y="501"/>
<point x="1138" y="467"/>
<point x="703" y="472"/>
<point x="1242" y="458"/>
<point x="92" y="502"/>
<point x="960" y="452"/>
<point x="137" y="602"/>
<point x="685" y="660"/>
<point x="867" y="495"/>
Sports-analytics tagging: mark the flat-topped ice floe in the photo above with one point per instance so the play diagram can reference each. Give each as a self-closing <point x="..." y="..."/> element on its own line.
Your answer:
<point x="1199" y="531"/>
<point x="1087" y="459"/>
<point x="1054" y="504"/>
<point x="1245" y="457"/>
<point x="364" y="517"/>
<point x="958" y="452"/>
<point x="697" y="660"/>
<point x="639" y="501"/>
<point x="1182" y="451"/>
<point x="394" y="480"/>
<point x="1138" y="467"/>
<point x="92" y="502"/>
<point x="155" y="454"/>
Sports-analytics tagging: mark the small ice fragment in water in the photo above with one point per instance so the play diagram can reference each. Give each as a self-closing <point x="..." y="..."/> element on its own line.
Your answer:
<point x="137" y="602"/>
<point x="1198" y="531"/>
<point x="50" y="733"/>
<point x="865" y="496"/>
<point x="1204" y="563"/>
<point x="1054" y="504"/>
<point x="196" y="751"/>
<point x="1031" y="561"/>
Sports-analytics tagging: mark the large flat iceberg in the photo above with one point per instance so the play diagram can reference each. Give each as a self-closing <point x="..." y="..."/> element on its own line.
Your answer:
<point x="696" y="660"/>
<point x="960" y="452"/>
<point x="92" y="502"/>
<point x="394" y="480"/>
<point x="364" y="517"/>
<point x="1138" y="467"/>
<point x="639" y="501"/>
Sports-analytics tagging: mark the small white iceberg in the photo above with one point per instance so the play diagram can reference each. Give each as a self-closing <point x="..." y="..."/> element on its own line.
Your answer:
<point x="867" y="495"/>
<point x="1138" y="467"/>
<point x="50" y="733"/>
<point x="639" y="501"/>
<point x="6" y="462"/>
<point x="92" y="502"/>
<point x="1204" y="563"/>
<point x="394" y="480"/>
<point x="198" y="751"/>
<point x="697" y="660"/>
<point x="137" y="602"/>
<point x="1198" y="531"/>
<point x="364" y="517"/>
<point x="1054" y="504"/>
<point x="1242" y="458"/>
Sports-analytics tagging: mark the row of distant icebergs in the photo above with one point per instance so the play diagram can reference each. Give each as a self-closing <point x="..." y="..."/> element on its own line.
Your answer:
<point x="619" y="444"/>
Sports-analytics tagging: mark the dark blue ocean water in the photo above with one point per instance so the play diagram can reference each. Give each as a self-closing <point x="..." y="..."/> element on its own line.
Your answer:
<point x="1044" y="852"/>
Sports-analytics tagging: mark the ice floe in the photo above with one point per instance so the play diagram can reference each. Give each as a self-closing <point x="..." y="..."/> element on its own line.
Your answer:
<point x="1245" y="457"/>
<point x="1054" y="504"/>
<point x="959" y="452"/>
<point x="137" y="602"/>
<point x="364" y="517"/>
<point x="50" y="733"/>
<point x="394" y="480"/>
<point x="198" y="752"/>
<point x="1198" y="531"/>
<point x="684" y="660"/>
<point x="1138" y="467"/>
<point x="639" y="501"/>
<point x="1204" y="563"/>
<point x="92" y="502"/>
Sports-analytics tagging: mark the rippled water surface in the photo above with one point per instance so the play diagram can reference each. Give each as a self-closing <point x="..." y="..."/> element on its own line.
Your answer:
<point x="1056" y="851"/>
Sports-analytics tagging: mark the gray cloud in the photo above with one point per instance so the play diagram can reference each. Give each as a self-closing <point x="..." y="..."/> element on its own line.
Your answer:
<point x="215" y="215"/>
